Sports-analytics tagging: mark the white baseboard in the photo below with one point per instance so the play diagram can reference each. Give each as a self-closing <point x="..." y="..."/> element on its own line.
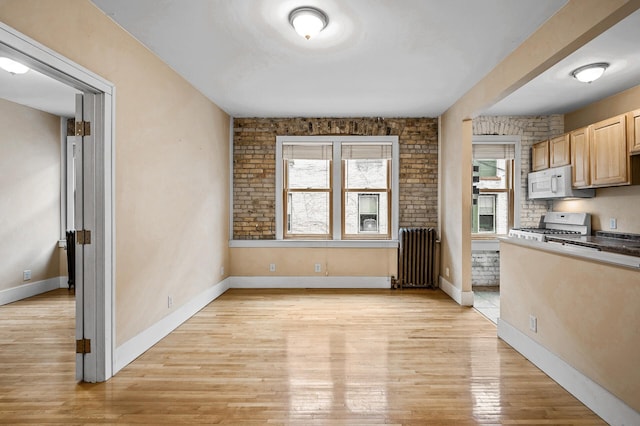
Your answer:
<point x="14" y="294"/>
<point x="606" y="405"/>
<point x="136" y="346"/>
<point x="310" y="282"/>
<point x="64" y="282"/>
<point x="464" y="298"/>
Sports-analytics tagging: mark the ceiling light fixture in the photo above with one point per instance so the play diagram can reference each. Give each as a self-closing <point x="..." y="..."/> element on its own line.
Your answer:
<point x="589" y="73"/>
<point x="13" y="67"/>
<point x="308" y="21"/>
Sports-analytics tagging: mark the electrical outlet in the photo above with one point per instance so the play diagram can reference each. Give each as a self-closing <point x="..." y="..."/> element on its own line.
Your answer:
<point x="222" y="270"/>
<point x="272" y="267"/>
<point x="613" y="223"/>
<point x="533" y="323"/>
<point x="169" y="301"/>
<point x="318" y="267"/>
<point x="26" y="275"/>
<point x="446" y="272"/>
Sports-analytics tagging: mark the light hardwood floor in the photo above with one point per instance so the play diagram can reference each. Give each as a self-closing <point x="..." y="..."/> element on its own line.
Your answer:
<point x="286" y="357"/>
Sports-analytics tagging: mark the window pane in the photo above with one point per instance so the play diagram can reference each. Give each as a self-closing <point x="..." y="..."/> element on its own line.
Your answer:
<point x="493" y="174"/>
<point x="303" y="174"/>
<point x="366" y="174"/>
<point x="308" y="213"/>
<point x="366" y="213"/>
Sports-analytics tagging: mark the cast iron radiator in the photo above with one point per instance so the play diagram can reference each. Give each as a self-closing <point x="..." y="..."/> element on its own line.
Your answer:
<point x="418" y="258"/>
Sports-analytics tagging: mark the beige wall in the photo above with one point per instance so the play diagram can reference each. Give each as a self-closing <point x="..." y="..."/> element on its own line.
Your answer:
<point x="171" y="162"/>
<point x="619" y="103"/>
<point x="29" y="194"/>
<point x="340" y="262"/>
<point x="587" y="313"/>
<point x="575" y="24"/>
<point x="621" y="203"/>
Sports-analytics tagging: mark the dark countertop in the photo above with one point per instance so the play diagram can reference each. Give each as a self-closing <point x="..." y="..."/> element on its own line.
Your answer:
<point x="613" y="242"/>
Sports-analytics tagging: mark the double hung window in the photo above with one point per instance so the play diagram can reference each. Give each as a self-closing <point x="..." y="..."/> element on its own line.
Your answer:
<point x="338" y="188"/>
<point x="493" y="206"/>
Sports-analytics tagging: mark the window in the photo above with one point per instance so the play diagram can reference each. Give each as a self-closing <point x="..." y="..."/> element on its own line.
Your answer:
<point x="496" y="171"/>
<point x="340" y="189"/>
<point x="367" y="188"/>
<point x="307" y="190"/>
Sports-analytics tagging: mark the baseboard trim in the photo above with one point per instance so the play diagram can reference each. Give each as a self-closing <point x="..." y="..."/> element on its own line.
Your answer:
<point x="311" y="282"/>
<point x="464" y="298"/>
<point x="64" y="282"/>
<point x="606" y="405"/>
<point x="23" y="291"/>
<point x="136" y="346"/>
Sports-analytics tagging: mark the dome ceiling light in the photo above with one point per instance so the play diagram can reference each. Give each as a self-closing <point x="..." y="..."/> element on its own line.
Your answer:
<point x="589" y="73"/>
<point x="308" y="21"/>
<point x="12" y="67"/>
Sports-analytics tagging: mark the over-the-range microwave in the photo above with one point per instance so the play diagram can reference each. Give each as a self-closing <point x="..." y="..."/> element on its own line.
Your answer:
<point x="555" y="183"/>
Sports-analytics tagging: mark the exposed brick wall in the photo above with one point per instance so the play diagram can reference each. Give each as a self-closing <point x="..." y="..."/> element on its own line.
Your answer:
<point x="531" y="129"/>
<point x="254" y="141"/>
<point x="485" y="267"/>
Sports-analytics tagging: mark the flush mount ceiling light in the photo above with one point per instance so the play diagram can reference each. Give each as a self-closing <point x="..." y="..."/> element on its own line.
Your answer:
<point x="308" y="21"/>
<point x="13" y="67"/>
<point x="589" y="73"/>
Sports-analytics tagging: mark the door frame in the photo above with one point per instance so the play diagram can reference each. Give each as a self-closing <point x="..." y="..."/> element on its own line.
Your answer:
<point x="99" y="310"/>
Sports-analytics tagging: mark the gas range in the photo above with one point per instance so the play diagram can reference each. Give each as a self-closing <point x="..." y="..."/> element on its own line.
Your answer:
<point x="556" y="223"/>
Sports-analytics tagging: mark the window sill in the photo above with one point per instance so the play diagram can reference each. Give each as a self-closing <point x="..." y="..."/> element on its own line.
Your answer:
<point x="486" y="244"/>
<point x="314" y="243"/>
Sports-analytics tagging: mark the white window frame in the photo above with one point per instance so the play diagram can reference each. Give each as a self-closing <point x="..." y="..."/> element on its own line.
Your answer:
<point x="516" y="141"/>
<point x="337" y="142"/>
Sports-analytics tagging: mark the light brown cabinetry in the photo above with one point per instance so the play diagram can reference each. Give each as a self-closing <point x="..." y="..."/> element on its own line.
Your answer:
<point x="633" y="131"/>
<point x="609" y="157"/>
<point x="540" y="156"/>
<point x="580" y="161"/>
<point x="559" y="151"/>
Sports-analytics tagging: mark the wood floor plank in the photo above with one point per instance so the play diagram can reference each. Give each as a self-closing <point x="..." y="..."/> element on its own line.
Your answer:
<point x="357" y="357"/>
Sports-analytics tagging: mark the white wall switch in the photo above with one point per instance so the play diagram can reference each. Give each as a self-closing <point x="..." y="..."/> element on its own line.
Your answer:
<point x="272" y="267"/>
<point x="26" y="275"/>
<point x="613" y="223"/>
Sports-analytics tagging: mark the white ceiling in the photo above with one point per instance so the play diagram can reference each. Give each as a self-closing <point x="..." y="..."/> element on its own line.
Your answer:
<point x="389" y="58"/>
<point x="38" y="91"/>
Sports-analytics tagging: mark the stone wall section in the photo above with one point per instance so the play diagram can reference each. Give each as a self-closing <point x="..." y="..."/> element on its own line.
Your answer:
<point x="254" y="142"/>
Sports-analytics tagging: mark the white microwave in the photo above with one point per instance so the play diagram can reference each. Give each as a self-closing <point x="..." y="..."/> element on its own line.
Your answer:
<point x="555" y="183"/>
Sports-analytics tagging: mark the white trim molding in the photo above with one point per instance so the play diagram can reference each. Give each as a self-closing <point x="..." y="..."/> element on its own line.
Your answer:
<point x="136" y="346"/>
<point x="606" y="405"/>
<point x="311" y="282"/>
<point x="336" y="142"/>
<point x="24" y="291"/>
<point x="464" y="298"/>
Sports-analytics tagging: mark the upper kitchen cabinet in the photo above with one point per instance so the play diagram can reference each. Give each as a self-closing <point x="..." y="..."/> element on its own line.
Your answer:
<point x="579" y="140"/>
<point x="633" y="131"/>
<point x="540" y="156"/>
<point x="559" y="151"/>
<point x="608" y="151"/>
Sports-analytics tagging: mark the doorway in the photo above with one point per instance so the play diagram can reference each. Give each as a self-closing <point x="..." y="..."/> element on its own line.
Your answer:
<point x="94" y="207"/>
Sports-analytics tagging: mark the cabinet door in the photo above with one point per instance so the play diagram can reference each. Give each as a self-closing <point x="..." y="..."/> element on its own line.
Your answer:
<point x="609" y="155"/>
<point x="540" y="156"/>
<point x="580" y="158"/>
<point x="559" y="149"/>
<point x="633" y="134"/>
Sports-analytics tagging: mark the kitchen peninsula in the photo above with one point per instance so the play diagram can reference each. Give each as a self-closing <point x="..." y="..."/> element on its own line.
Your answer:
<point x="576" y="318"/>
